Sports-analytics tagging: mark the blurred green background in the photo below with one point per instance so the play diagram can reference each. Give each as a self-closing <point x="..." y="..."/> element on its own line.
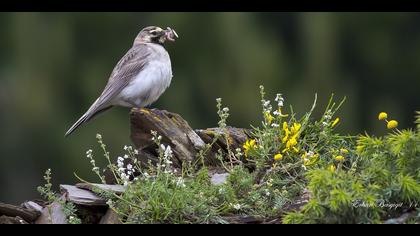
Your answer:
<point x="54" y="65"/>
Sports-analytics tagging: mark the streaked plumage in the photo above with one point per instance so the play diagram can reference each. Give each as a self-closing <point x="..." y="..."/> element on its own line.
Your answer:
<point x="139" y="78"/>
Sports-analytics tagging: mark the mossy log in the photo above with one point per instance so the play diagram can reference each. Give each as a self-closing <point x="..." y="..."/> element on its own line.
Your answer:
<point x="185" y="142"/>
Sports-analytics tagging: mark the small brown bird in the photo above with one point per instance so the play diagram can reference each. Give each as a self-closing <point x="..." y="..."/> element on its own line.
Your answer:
<point x="139" y="78"/>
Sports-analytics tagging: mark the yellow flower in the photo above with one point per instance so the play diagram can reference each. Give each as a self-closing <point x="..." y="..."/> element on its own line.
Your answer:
<point x="268" y="117"/>
<point x="335" y="122"/>
<point x="285" y="126"/>
<point x="309" y="160"/>
<point x="382" y="116"/>
<point x="339" y="158"/>
<point x="286" y="132"/>
<point x="392" y="124"/>
<point x="360" y="148"/>
<point x="278" y="157"/>
<point x="331" y="168"/>
<point x="249" y="145"/>
<point x="292" y="142"/>
<point x="344" y="151"/>
<point x="295" y="128"/>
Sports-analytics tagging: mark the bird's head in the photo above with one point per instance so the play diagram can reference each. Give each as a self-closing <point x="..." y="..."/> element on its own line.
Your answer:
<point x="154" y="34"/>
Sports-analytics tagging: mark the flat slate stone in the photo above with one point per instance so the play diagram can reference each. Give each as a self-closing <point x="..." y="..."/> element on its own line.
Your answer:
<point x="110" y="217"/>
<point x="52" y="214"/>
<point x="118" y="189"/>
<point x="218" y="179"/>
<point x="32" y="206"/>
<point x="81" y="196"/>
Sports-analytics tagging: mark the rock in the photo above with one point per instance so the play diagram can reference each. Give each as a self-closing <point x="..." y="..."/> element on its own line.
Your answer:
<point x="402" y="219"/>
<point x="81" y="196"/>
<point x="110" y="217"/>
<point x="13" y="211"/>
<point x="32" y="206"/>
<point x="52" y="214"/>
<point x="219" y="179"/>
<point x="118" y="189"/>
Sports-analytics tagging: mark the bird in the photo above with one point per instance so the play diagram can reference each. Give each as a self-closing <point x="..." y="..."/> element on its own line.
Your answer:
<point x="139" y="78"/>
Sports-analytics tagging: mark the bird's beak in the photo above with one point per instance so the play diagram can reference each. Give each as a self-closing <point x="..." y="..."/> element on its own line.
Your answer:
<point x="170" y="34"/>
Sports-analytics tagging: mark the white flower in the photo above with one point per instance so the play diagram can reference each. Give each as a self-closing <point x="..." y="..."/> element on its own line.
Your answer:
<point x="125" y="147"/>
<point x="237" y="206"/>
<point x="98" y="136"/>
<point x="221" y="190"/>
<point x="266" y="103"/>
<point x="125" y="156"/>
<point x="275" y="125"/>
<point x="129" y="167"/>
<point x="95" y="169"/>
<point x="136" y="151"/>
<point x="267" y="193"/>
<point x="279" y="97"/>
<point x="120" y="159"/>
<point x="225" y="109"/>
<point x="324" y="123"/>
<point x="135" y="179"/>
<point x="180" y="182"/>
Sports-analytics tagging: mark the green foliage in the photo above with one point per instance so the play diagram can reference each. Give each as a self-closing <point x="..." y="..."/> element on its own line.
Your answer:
<point x="69" y="209"/>
<point x="295" y="168"/>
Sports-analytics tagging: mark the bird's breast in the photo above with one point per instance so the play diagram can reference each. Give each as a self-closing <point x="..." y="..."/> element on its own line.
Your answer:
<point x="149" y="84"/>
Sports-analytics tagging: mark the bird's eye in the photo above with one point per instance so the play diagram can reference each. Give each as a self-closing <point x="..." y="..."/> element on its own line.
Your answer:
<point x="153" y="32"/>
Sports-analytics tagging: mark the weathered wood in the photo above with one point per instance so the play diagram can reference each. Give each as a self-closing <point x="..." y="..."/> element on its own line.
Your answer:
<point x="13" y="211"/>
<point x="81" y="196"/>
<point x="184" y="141"/>
<point x="174" y="130"/>
<point x="236" y="136"/>
<point x="117" y="189"/>
<point x="12" y="220"/>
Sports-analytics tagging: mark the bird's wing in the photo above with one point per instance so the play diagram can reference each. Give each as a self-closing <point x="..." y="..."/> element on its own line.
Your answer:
<point x="128" y="67"/>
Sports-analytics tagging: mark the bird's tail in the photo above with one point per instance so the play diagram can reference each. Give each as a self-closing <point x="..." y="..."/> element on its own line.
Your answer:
<point x="78" y="123"/>
<point x="89" y="115"/>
